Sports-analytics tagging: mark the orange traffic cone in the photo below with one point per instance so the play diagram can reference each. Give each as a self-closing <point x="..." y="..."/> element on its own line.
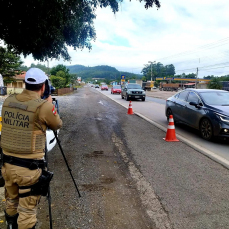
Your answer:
<point x="171" y="135"/>
<point x="130" y="109"/>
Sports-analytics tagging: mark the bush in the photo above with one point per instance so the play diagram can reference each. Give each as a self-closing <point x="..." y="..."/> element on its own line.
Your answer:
<point x="57" y="81"/>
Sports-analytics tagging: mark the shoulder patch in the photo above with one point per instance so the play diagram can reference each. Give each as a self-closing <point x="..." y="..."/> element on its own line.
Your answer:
<point x="54" y="110"/>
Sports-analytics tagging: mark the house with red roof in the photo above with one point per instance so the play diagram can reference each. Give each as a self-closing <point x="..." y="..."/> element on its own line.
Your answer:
<point x="18" y="85"/>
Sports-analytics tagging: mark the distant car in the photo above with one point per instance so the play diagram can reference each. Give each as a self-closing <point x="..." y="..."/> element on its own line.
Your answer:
<point x="132" y="91"/>
<point x="206" y="110"/>
<point x="116" y="89"/>
<point x="96" y="86"/>
<point x="104" y="87"/>
<point x="52" y="89"/>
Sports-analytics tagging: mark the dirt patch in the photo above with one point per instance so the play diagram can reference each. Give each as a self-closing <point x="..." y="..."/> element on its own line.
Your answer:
<point x="107" y="180"/>
<point x="156" y="93"/>
<point x="95" y="154"/>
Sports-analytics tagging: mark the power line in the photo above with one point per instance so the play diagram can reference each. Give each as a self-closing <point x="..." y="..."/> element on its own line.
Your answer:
<point x="218" y="67"/>
<point x="207" y="46"/>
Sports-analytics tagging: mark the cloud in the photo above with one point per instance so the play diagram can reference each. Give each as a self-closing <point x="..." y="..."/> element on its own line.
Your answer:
<point x="178" y="30"/>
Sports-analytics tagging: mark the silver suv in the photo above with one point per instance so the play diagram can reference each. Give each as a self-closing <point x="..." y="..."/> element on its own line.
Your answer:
<point x="132" y="91"/>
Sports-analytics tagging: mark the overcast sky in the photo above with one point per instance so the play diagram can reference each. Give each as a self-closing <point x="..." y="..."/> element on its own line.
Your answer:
<point x="185" y="33"/>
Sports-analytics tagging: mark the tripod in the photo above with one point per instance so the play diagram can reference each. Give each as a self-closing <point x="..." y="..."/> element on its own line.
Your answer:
<point x="70" y="171"/>
<point x="58" y="141"/>
<point x="49" y="196"/>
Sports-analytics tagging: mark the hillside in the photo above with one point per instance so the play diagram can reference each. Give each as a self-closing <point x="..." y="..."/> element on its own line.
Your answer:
<point x="102" y="71"/>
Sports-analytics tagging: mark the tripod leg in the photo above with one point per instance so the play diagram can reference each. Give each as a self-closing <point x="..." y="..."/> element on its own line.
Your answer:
<point x="49" y="195"/>
<point x="61" y="150"/>
<point x="50" y="210"/>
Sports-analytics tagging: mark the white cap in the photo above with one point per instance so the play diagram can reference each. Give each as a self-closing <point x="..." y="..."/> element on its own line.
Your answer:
<point x="35" y="76"/>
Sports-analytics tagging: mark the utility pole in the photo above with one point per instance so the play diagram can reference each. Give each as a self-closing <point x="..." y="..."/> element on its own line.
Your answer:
<point x="151" y="69"/>
<point x="196" y="77"/>
<point x="151" y="72"/>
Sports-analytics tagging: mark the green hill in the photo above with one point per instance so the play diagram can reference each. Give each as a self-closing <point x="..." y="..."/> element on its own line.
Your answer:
<point x="102" y="71"/>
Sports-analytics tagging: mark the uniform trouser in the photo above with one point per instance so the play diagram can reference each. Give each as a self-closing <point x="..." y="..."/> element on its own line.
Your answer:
<point x="14" y="177"/>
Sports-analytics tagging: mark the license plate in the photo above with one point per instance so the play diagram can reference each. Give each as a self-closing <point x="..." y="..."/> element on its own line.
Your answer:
<point x="137" y="96"/>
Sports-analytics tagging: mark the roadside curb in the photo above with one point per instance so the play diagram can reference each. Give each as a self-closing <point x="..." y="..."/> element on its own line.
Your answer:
<point x="198" y="148"/>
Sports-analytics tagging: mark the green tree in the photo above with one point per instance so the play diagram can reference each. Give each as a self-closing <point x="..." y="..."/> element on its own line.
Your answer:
<point x="45" y="28"/>
<point x="170" y="70"/>
<point x="9" y="64"/>
<point x="73" y="79"/>
<point x="24" y="68"/>
<point x="190" y="75"/>
<point x="59" y="67"/>
<point x="57" y="82"/>
<point x="156" y="83"/>
<point x="107" y="81"/>
<point x="40" y="66"/>
<point x="65" y="76"/>
<point x="158" y="70"/>
<point x="144" y="79"/>
<point x="208" y="77"/>
<point x="215" y="83"/>
<point x="147" y="71"/>
<point x="61" y="71"/>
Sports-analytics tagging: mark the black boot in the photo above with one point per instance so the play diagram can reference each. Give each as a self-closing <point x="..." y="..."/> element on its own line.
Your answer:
<point x="11" y="221"/>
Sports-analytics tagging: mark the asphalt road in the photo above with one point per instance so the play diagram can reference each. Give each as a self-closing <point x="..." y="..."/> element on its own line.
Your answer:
<point x="154" y="109"/>
<point x="128" y="176"/>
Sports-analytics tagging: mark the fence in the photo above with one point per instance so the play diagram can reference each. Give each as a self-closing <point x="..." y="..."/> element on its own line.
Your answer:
<point x="63" y="91"/>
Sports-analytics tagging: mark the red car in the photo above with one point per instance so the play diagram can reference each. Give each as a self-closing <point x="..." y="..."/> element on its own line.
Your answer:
<point x="104" y="87"/>
<point x="116" y="89"/>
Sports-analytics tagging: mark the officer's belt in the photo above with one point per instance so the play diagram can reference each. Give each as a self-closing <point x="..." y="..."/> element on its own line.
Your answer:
<point x="27" y="163"/>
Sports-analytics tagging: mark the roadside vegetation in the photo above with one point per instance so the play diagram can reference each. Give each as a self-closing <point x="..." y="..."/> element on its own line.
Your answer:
<point x="66" y="76"/>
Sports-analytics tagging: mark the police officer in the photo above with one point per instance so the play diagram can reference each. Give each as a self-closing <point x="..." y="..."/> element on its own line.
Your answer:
<point x="25" y="119"/>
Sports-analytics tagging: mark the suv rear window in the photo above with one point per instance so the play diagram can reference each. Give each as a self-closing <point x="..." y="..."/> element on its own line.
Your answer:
<point x="134" y="86"/>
